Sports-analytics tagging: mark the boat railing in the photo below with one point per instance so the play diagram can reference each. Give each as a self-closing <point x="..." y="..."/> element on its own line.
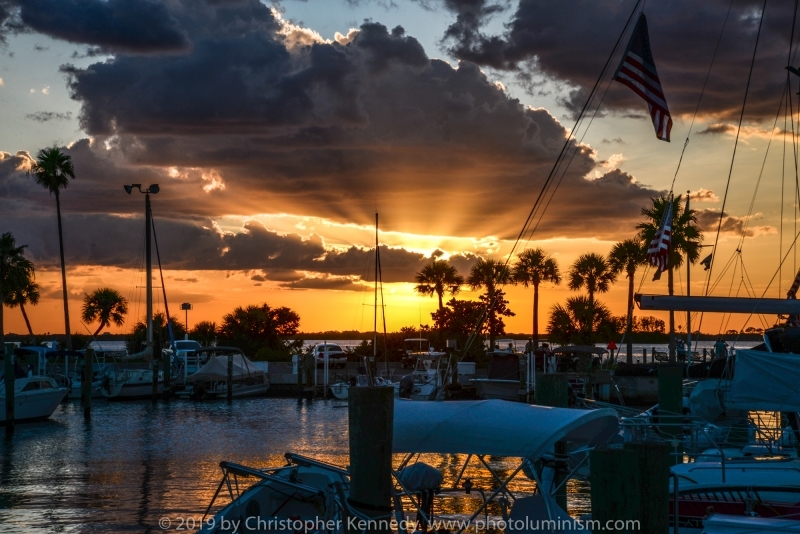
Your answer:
<point x="237" y="470"/>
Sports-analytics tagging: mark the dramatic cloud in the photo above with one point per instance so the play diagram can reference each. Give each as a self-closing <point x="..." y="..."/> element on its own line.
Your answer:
<point x="259" y="116"/>
<point x="138" y="26"/>
<point x="323" y="128"/>
<point x="545" y="40"/>
<point x="703" y="195"/>
<point x="709" y="221"/>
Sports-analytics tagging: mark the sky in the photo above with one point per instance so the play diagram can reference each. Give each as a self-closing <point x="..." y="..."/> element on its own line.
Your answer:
<point x="276" y="131"/>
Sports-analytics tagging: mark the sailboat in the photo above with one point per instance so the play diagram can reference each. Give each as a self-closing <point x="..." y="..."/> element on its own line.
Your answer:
<point x="340" y="389"/>
<point x="132" y="384"/>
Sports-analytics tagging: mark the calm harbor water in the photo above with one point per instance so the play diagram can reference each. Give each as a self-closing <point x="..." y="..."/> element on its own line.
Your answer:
<point x="136" y="463"/>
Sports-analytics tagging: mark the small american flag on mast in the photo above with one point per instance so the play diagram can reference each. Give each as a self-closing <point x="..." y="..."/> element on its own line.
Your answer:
<point x="658" y="251"/>
<point x="638" y="71"/>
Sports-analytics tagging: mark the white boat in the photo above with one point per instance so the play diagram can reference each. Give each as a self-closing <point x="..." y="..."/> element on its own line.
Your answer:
<point x="35" y="398"/>
<point x="425" y="382"/>
<point x="248" y="379"/>
<point x="131" y="384"/>
<point x="341" y="389"/>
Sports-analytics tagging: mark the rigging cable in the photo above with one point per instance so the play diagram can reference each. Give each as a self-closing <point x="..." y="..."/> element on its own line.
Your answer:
<point x="554" y="169"/>
<point x="736" y="142"/>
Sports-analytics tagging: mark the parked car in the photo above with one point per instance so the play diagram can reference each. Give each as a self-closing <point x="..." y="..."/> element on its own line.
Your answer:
<point x="336" y="356"/>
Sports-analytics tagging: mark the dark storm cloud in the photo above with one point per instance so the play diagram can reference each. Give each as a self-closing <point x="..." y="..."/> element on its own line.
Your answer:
<point x="570" y="44"/>
<point x="143" y="26"/>
<point x="257" y="117"/>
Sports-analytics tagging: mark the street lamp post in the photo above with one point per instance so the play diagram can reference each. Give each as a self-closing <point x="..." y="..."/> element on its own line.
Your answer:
<point x="148" y="261"/>
<point x="186" y="307"/>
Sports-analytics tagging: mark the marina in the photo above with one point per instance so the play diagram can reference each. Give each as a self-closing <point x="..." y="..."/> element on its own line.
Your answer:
<point x="527" y="342"/>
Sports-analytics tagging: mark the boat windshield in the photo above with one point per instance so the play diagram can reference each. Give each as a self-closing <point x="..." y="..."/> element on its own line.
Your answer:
<point x="187" y="344"/>
<point x="416" y="345"/>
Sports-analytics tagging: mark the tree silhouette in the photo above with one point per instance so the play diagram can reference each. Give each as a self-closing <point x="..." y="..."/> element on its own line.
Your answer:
<point x="592" y="272"/>
<point x="52" y="170"/>
<point x="533" y="267"/>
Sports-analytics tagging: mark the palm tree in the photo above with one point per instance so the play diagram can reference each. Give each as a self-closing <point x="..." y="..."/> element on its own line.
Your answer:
<point x="627" y="256"/>
<point x="52" y="170"/>
<point x="20" y="296"/>
<point x="684" y="242"/>
<point x="571" y="322"/>
<point x="533" y="267"/>
<point x="205" y="333"/>
<point x="16" y="271"/>
<point x="105" y="305"/>
<point x="436" y="278"/>
<point x="489" y="274"/>
<point x="591" y="271"/>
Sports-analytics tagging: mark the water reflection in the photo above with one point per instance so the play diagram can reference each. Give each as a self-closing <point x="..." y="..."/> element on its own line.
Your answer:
<point x="134" y="463"/>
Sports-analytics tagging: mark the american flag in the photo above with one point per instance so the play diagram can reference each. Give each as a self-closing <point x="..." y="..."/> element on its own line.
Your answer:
<point x="638" y="71"/>
<point x="658" y="251"/>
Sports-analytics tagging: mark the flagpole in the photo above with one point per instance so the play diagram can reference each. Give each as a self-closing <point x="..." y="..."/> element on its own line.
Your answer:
<point x="688" y="294"/>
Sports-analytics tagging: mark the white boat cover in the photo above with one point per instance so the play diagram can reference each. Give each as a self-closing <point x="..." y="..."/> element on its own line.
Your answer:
<point x="765" y="381"/>
<point x="216" y="368"/>
<point x="496" y="427"/>
<point x="730" y="524"/>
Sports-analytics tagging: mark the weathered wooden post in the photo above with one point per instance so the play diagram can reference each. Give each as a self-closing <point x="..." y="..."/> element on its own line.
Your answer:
<point x="644" y="355"/>
<point x="9" y="379"/>
<point x="654" y="461"/>
<point x="552" y="390"/>
<point x="156" y="360"/>
<point x="614" y="485"/>
<point x="167" y="365"/>
<point x="230" y="377"/>
<point x="371" y="416"/>
<point x="299" y="366"/>
<point x="86" y="384"/>
<point x="670" y="400"/>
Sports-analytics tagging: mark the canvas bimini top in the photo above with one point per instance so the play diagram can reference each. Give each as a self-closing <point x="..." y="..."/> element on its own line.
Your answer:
<point x="496" y="427"/>
<point x="765" y="381"/>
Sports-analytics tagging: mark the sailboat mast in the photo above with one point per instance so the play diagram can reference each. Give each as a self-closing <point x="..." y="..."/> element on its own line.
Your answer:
<point x="149" y="269"/>
<point x="375" y="316"/>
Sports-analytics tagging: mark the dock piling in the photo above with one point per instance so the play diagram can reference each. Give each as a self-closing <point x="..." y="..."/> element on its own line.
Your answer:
<point x="86" y="384"/>
<point x="552" y="390"/>
<point x="371" y="416"/>
<point x="670" y="397"/>
<point x="230" y="377"/>
<point x="9" y="379"/>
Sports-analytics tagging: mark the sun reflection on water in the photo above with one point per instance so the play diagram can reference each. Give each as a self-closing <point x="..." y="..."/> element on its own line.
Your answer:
<point x="136" y="462"/>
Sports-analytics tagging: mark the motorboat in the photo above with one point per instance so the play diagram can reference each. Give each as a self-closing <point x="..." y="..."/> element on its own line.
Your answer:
<point x="35" y="398"/>
<point x="303" y="492"/>
<point x="341" y="389"/>
<point x="426" y="380"/>
<point x="503" y="380"/>
<point x="248" y="379"/>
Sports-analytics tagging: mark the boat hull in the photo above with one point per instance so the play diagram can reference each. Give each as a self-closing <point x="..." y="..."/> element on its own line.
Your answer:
<point x="131" y="386"/>
<point x="33" y="406"/>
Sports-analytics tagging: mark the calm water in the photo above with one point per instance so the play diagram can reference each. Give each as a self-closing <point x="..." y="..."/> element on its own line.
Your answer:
<point x="136" y="462"/>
